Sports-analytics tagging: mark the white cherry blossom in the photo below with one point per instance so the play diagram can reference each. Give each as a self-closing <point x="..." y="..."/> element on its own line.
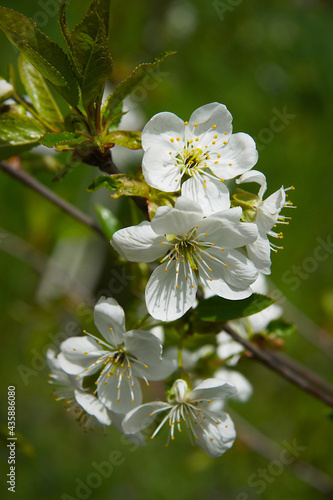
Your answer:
<point x="267" y="217"/>
<point x="213" y="431"/>
<point x="121" y="358"/>
<point x="88" y="408"/>
<point x="189" y="247"/>
<point x="196" y="156"/>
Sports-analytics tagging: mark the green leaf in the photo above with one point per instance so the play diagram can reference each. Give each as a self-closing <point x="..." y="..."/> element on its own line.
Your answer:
<point x="84" y="35"/>
<point x="126" y="87"/>
<point x="280" y="328"/>
<point x="64" y="140"/>
<point x="218" y="309"/>
<point x="98" y="68"/>
<point x="108" y="221"/>
<point x="19" y="129"/>
<point x="115" y="117"/>
<point x="122" y="184"/>
<point x="126" y="138"/>
<point x="41" y="52"/>
<point x="38" y="91"/>
<point x="62" y="11"/>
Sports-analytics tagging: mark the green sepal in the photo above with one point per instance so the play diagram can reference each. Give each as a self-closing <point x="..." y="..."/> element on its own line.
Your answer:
<point x="121" y="184"/>
<point x="130" y="84"/>
<point x="159" y="198"/>
<point x="41" y="52"/>
<point x="248" y="202"/>
<point x="125" y="138"/>
<point x="38" y="91"/>
<point x="219" y="309"/>
<point x="108" y="221"/>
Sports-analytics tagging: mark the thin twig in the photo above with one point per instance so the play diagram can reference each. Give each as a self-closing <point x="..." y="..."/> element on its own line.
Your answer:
<point x="303" y="371"/>
<point x="276" y="365"/>
<point x="31" y="182"/>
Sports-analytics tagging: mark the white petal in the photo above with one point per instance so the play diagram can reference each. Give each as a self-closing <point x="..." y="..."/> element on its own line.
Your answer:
<point x="108" y="394"/>
<point x="139" y="418"/>
<point x="217" y="439"/>
<point x="160" y="169"/>
<point x="211" y="119"/>
<point x="230" y="282"/>
<point x="58" y="375"/>
<point x="144" y="346"/>
<point x="166" y="302"/>
<point x="94" y="407"/>
<point x="260" y="285"/>
<point x="140" y="243"/>
<point x="212" y="198"/>
<point x="117" y="422"/>
<point x="176" y="220"/>
<point x="225" y="232"/>
<point x="260" y="320"/>
<point x="212" y="388"/>
<point x="238" y="156"/>
<point x="160" y="129"/>
<point x="109" y="314"/>
<point x="269" y="209"/>
<point x="79" y="353"/>
<point x="259" y="252"/>
<point x="227" y="348"/>
<point x="254" y="176"/>
<point x="237" y="379"/>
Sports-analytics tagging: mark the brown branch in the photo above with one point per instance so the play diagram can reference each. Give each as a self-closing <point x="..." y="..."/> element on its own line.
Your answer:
<point x="31" y="182"/>
<point x="314" y="378"/>
<point x="277" y="365"/>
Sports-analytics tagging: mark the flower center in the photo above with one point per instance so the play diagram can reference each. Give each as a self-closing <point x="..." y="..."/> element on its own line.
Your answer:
<point x="192" y="252"/>
<point x="192" y="159"/>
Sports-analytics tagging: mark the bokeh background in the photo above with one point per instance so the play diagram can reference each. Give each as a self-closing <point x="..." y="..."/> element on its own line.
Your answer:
<point x="260" y="58"/>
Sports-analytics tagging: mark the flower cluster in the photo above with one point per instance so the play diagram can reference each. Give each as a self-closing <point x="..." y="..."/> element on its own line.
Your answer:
<point x="209" y="237"/>
<point x="215" y="236"/>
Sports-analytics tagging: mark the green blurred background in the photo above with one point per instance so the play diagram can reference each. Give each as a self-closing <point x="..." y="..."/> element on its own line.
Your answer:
<point x="260" y="58"/>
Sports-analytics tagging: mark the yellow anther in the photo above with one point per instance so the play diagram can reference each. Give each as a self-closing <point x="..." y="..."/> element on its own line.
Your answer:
<point x="225" y="142"/>
<point x="204" y="185"/>
<point x="225" y="133"/>
<point x="210" y="270"/>
<point x="213" y="126"/>
<point x="178" y="138"/>
<point x="186" y="123"/>
<point x="177" y="287"/>
<point x="195" y="124"/>
<point x="222" y="180"/>
<point x="197" y="139"/>
<point x="213" y="142"/>
<point x="172" y="139"/>
<point x="205" y="234"/>
<point x="225" y="265"/>
<point x="86" y="352"/>
<point x="216" y="162"/>
<point x="161" y="243"/>
<point x="219" y="156"/>
<point x="74" y="349"/>
<point x="230" y="164"/>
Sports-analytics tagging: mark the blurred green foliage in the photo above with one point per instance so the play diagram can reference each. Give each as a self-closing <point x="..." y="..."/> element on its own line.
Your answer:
<point x="263" y="59"/>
